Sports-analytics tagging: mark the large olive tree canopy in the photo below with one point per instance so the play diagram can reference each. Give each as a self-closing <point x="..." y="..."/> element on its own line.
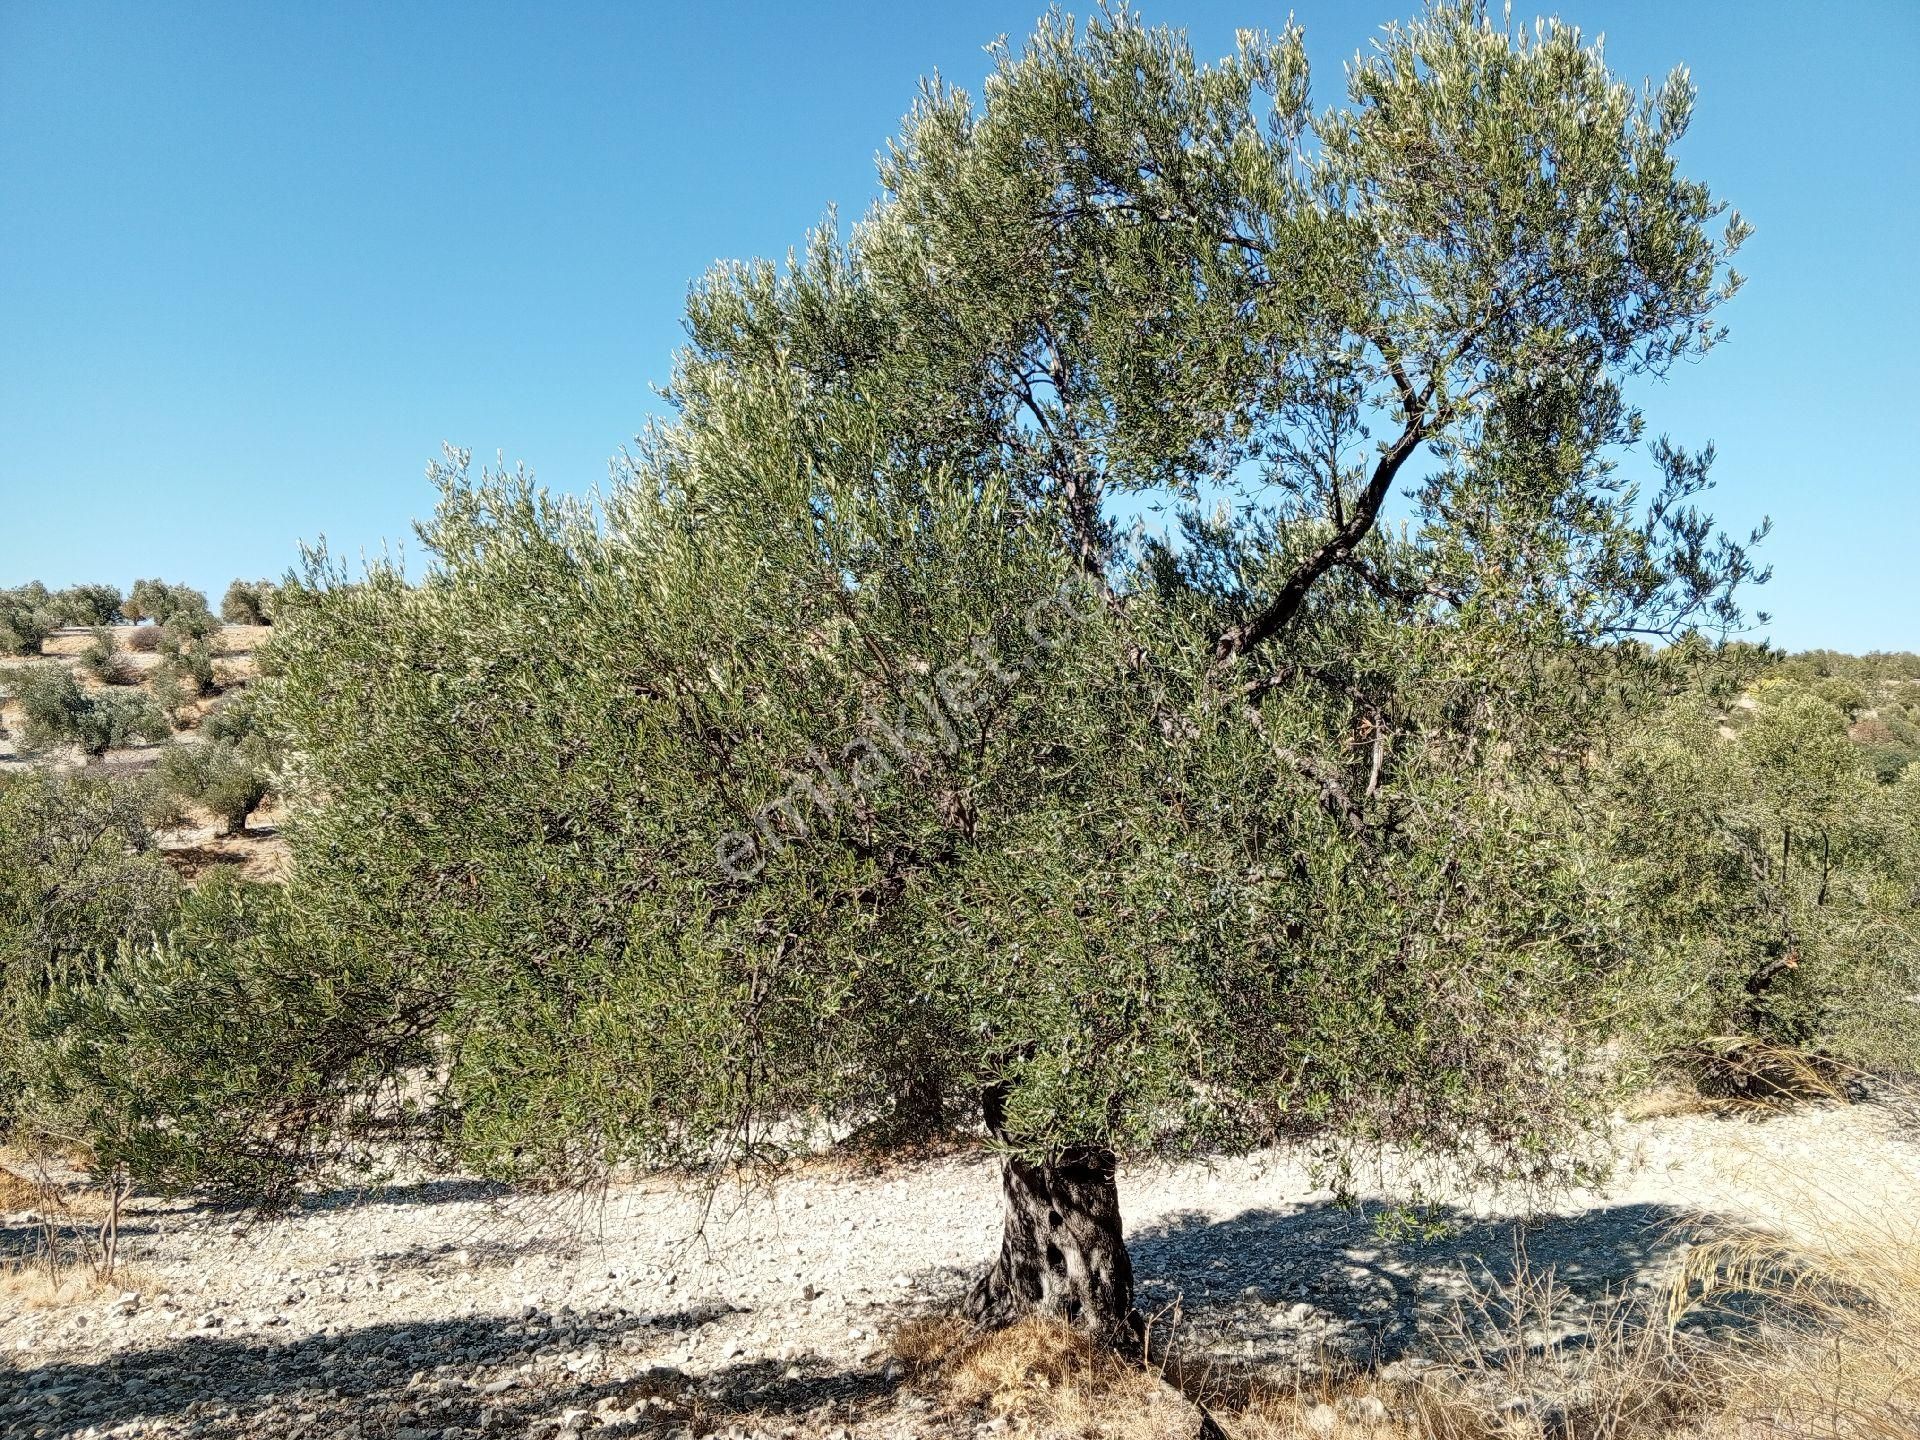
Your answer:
<point x="853" y="769"/>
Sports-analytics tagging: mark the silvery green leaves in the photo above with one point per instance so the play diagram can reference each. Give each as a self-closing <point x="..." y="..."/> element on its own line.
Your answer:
<point x="748" y="807"/>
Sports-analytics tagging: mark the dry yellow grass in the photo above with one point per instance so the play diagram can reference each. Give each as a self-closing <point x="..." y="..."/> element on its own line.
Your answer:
<point x="18" y="1192"/>
<point x="1744" y="1075"/>
<point x="1842" y="1273"/>
<point x="39" y="1284"/>
<point x="1745" y="1071"/>
<point x="60" y="1260"/>
<point x="1046" y="1378"/>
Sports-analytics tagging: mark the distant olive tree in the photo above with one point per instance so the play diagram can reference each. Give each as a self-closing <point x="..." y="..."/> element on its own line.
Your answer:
<point x="27" y="617"/>
<point x="186" y="672"/>
<point x="160" y="602"/>
<point x="248" y="602"/>
<point x="55" y="711"/>
<point x="228" y="770"/>
<point x="89" y="605"/>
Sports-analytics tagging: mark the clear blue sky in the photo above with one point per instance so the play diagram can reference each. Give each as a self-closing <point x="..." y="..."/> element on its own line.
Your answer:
<point x="258" y="261"/>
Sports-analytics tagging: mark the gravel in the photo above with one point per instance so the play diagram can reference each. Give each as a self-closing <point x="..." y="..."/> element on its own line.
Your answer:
<point x="454" y="1308"/>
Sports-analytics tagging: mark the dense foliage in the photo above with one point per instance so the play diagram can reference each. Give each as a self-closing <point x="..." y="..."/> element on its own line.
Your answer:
<point x="78" y="881"/>
<point x="1776" y="872"/>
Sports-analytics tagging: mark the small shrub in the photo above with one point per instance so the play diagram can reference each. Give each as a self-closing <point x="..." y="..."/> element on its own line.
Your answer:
<point x="172" y="693"/>
<point x="1844" y="695"/>
<point x="51" y="705"/>
<point x="119" y="718"/>
<point x="185" y="673"/>
<point x="238" y="720"/>
<point x="103" y="660"/>
<point x="144" y="639"/>
<point x="164" y="809"/>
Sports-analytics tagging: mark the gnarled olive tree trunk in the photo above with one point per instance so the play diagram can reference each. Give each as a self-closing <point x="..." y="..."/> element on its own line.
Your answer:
<point x="1062" y="1251"/>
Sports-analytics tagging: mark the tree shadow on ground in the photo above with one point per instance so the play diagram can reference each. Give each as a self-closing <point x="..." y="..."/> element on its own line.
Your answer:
<point x="27" y="1242"/>
<point x="1276" y="1282"/>
<point x="448" y="1191"/>
<point x="491" y="1374"/>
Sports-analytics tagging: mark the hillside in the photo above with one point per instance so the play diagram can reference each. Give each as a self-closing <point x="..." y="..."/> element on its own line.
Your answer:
<point x="193" y="839"/>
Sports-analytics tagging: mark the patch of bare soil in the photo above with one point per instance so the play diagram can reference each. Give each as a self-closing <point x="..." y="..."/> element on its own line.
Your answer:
<point x="258" y="853"/>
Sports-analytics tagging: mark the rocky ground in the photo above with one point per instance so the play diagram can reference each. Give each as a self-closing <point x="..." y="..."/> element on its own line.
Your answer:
<point x="448" y="1308"/>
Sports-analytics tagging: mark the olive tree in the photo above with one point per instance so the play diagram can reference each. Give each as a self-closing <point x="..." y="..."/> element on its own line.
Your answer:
<point x="1772" y="876"/>
<point x="248" y="602"/>
<point x="89" y="605"/>
<point x="27" y="616"/>
<point x="78" y="877"/>
<point x="160" y="602"/>
<point x="853" y="770"/>
<point x="228" y="770"/>
<point x="56" y="711"/>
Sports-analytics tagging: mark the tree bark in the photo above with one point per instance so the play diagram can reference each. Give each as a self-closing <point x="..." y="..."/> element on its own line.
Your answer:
<point x="1062" y="1249"/>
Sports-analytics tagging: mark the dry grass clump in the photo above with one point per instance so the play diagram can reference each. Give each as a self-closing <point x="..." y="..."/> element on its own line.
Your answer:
<point x="1840" y="1356"/>
<point x="1524" y="1358"/>
<point x="1048" y="1380"/>
<point x="18" y="1192"/>
<point x="44" y="1282"/>
<point x="65" y="1247"/>
<point x="1745" y="1075"/>
<point x="1734" y="1072"/>
<point x="1045" y="1377"/>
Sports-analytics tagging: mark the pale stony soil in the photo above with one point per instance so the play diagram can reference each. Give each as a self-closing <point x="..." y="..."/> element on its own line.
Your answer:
<point x="227" y="640"/>
<point x="448" y="1308"/>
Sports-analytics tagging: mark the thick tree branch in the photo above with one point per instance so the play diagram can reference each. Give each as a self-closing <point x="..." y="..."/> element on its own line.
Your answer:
<point x="1287" y="601"/>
